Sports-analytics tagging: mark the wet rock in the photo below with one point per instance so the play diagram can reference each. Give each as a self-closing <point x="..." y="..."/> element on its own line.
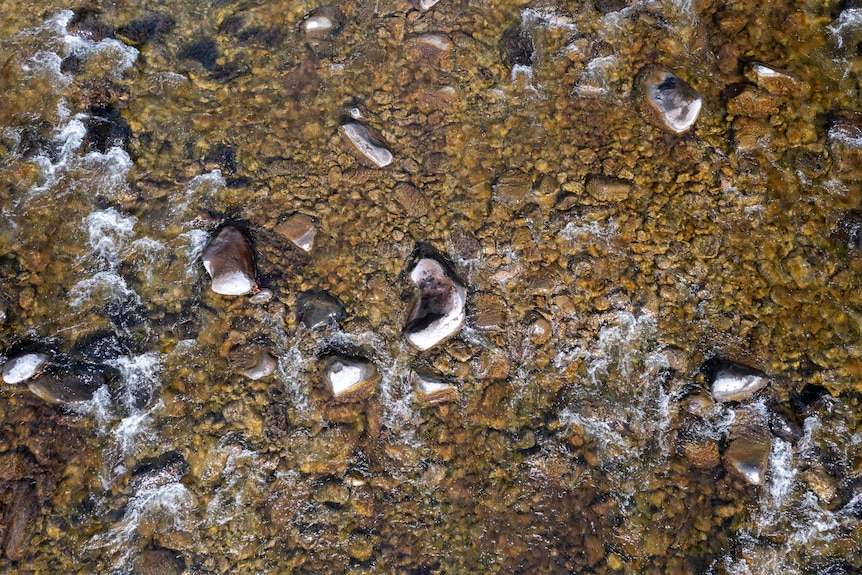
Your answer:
<point x="753" y="103"/>
<point x="321" y="24"/>
<point x="15" y="465"/>
<point x="253" y="362"/>
<point x="19" y="516"/>
<point x="25" y="366"/>
<point x="438" y="312"/>
<point x="349" y="378"/>
<point x="747" y="454"/>
<point x="608" y="6"/>
<point x="809" y="399"/>
<point x="429" y="46"/>
<point x="811" y="164"/>
<point x="784" y="424"/>
<point x="169" y="467"/>
<point x="489" y="312"/>
<point x="512" y="186"/>
<point x="539" y="329"/>
<point x="159" y="562"/>
<point x="319" y="308"/>
<point x="668" y="101"/>
<point x="425" y="5"/>
<point x="334" y="492"/>
<point x="300" y="229"/>
<point x="71" y="385"/>
<point x="701" y="453"/>
<point x="735" y="382"/>
<point x="432" y="388"/>
<point x="822" y="484"/>
<point x="608" y="189"/>
<point x="229" y="260"/>
<point x="365" y="146"/>
<point x="775" y="80"/>
<point x="106" y="129"/>
<point x="262" y="297"/>
<point x="517" y="46"/>
<point x="150" y="28"/>
<point x="86" y="24"/>
<point x="204" y="51"/>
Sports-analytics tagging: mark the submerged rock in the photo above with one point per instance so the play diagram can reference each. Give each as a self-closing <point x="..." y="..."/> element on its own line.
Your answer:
<point x="438" y="312"/>
<point x="318" y="308"/>
<point x="69" y="386"/>
<point x="300" y="229"/>
<point x="349" y="378"/>
<point x="321" y="23"/>
<point x="159" y="562"/>
<point x="25" y="366"/>
<point x="668" y="101"/>
<point x="608" y="189"/>
<point x="776" y="80"/>
<point x="432" y="389"/>
<point x="748" y="456"/>
<point x="365" y="146"/>
<point x="262" y="297"/>
<point x="253" y="362"/>
<point x="735" y="382"/>
<point x="229" y="260"/>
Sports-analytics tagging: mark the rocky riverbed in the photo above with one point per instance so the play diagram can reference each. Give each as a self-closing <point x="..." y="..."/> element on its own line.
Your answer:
<point x="435" y="287"/>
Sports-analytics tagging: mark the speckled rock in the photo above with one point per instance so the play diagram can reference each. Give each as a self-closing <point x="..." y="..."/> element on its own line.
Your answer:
<point x="608" y="189"/>
<point x="229" y="260"/>
<point x="775" y="80"/>
<point x="668" y="101"/>
<point x="159" y="562"/>
<point x="438" y="312"/>
<point x="735" y="382"/>
<point x="25" y="366"/>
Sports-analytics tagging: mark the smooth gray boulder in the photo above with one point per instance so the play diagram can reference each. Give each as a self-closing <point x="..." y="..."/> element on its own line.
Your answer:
<point x="229" y="260"/>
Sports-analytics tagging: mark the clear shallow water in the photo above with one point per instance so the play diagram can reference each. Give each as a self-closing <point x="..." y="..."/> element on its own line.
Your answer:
<point x="128" y="133"/>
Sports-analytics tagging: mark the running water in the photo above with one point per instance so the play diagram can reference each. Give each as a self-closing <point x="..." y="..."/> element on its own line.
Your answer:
<point x="609" y="267"/>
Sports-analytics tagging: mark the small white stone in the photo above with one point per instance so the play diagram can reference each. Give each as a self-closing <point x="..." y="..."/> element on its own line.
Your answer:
<point x="262" y="297"/>
<point x="432" y="389"/>
<point x="427" y="4"/>
<point x="318" y="24"/>
<point x="368" y="147"/>
<point x="734" y="382"/>
<point x="263" y="367"/>
<point x="23" y="367"/>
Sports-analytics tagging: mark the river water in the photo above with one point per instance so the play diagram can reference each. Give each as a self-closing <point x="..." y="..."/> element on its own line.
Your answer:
<point x="578" y="434"/>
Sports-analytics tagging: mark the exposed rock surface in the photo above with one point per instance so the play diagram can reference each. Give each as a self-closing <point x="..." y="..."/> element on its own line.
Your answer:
<point x="438" y="312"/>
<point x="432" y="389"/>
<point x="229" y="260"/>
<point x="25" y="366"/>
<point x="735" y="382"/>
<point x="318" y="308"/>
<point x="668" y="100"/>
<point x="349" y="378"/>
<point x="365" y="146"/>
<point x="300" y="229"/>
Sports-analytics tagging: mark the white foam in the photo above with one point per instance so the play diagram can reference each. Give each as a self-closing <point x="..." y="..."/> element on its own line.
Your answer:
<point x="139" y="377"/>
<point x="108" y="232"/>
<point x="849" y="21"/>
<point x="106" y="286"/>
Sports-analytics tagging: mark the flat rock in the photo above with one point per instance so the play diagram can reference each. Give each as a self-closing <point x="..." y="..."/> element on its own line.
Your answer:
<point x="607" y="188"/>
<point x="512" y="187"/>
<point x="229" y="260"/>
<point x="754" y="103"/>
<point x="735" y="382"/>
<point x="775" y="80"/>
<point x="669" y="102"/>
<point x="349" y="378"/>
<point x="25" y="366"/>
<point x="438" y="311"/>
<point x="300" y="229"/>
<point x="365" y="146"/>
<point x="20" y="513"/>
